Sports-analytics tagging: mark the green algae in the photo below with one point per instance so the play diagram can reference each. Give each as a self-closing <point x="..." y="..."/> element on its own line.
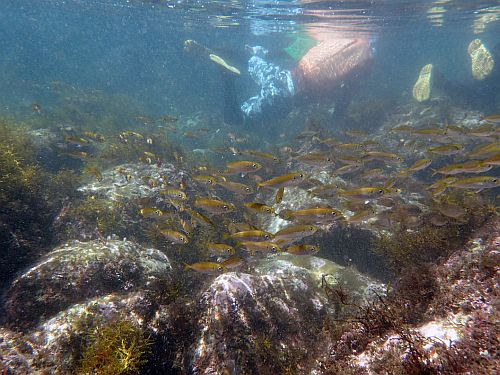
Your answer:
<point x="117" y="348"/>
<point x="405" y="249"/>
<point x="30" y="198"/>
<point x="104" y="214"/>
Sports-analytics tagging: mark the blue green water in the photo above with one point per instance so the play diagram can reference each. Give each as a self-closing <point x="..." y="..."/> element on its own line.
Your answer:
<point x="135" y="48"/>
<point x="131" y="153"/>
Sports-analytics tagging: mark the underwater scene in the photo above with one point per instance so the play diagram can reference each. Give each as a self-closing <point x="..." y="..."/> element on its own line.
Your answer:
<point x="249" y="187"/>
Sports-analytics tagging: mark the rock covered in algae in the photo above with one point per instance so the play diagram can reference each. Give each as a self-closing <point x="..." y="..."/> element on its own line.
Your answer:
<point x="269" y="321"/>
<point x="422" y="88"/>
<point x="481" y="60"/>
<point x="245" y="319"/>
<point x="457" y="333"/>
<point x="78" y="271"/>
<point x="54" y="346"/>
<point x="115" y="186"/>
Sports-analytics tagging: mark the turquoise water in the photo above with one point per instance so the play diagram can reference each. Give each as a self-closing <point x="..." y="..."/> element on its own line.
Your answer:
<point x="143" y="210"/>
<point x="135" y="48"/>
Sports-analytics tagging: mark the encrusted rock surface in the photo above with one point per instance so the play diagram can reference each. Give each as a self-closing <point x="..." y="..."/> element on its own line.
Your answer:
<point x="55" y="345"/>
<point x="270" y="319"/>
<point x="115" y="186"/>
<point x="78" y="271"/>
<point x="241" y="317"/>
<point x="459" y="332"/>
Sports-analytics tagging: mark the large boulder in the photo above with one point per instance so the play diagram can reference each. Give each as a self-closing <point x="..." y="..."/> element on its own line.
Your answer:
<point x="269" y="320"/>
<point x="55" y="346"/>
<point x="79" y="271"/>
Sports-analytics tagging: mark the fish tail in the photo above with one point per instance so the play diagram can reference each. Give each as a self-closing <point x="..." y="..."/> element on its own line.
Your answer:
<point x="286" y="214"/>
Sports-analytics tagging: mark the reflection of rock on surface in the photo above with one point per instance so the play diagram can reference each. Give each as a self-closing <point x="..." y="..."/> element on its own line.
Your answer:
<point x="481" y="60"/>
<point x="435" y="15"/>
<point x="264" y="322"/>
<point x="487" y="16"/>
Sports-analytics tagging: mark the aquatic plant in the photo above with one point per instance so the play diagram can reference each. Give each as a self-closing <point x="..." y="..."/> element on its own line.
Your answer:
<point x="420" y="294"/>
<point x="117" y="348"/>
<point x="64" y="184"/>
<point x="412" y="248"/>
<point x="30" y="198"/>
<point x="271" y="357"/>
<point x="102" y="214"/>
<point x="403" y="248"/>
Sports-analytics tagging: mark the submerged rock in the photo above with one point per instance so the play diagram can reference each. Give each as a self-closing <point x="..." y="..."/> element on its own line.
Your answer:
<point x="269" y="321"/>
<point x="115" y="185"/>
<point x="57" y="345"/>
<point x="458" y="332"/>
<point x="79" y="271"/>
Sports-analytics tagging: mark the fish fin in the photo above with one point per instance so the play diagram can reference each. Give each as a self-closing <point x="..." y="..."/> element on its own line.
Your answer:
<point x="390" y="183"/>
<point x="187" y="267"/>
<point x="285" y="214"/>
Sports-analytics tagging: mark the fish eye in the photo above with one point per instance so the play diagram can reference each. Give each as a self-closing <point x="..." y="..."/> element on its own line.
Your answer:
<point x="220" y="268"/>
<point x="494" y="180"/>
<point x="333" y="213"/>
<point x="274" y="248"/>
<point x="254" y="165"/>
<point x="225" y="207"/>
<point x="247" y="189"/>
<point x="301" y="175"/>
<point x="381" y="191"/>
<point x="266" y="236"/>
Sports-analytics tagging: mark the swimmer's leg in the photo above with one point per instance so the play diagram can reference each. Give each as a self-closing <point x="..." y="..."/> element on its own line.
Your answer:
<point x="232" y="114"/>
